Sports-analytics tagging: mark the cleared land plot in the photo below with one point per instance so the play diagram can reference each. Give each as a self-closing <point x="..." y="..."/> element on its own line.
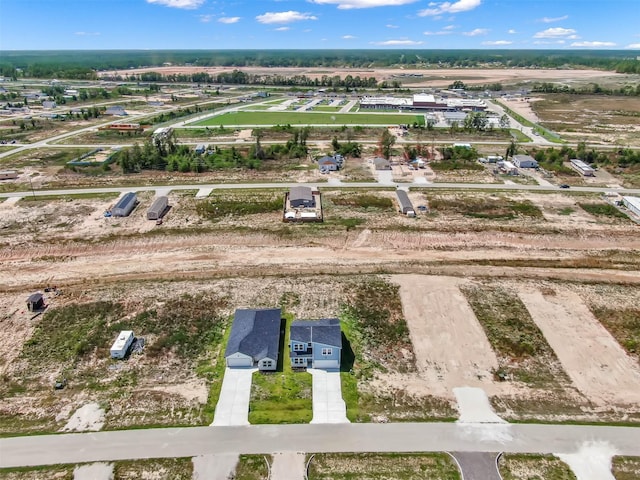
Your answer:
<point x="152" y="469"/>
<point x="369" y="466"/>
<point x="598" y="117"/>
<point x="450" y="346"/>
<point x="624" y="325"/>
<point x="533" y="467"/>
<point x="595" y="362"/>
<point x="308" y="118"/>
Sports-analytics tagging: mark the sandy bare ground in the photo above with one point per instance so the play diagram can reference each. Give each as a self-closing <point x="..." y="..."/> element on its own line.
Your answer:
<point x="94" y="471"/>
<point x="595" y="362"/>
<point x="450" y="346"/>
<point x="523" y="107"/>
<point x="431" y="77"/>
<point x="89" y="417"/>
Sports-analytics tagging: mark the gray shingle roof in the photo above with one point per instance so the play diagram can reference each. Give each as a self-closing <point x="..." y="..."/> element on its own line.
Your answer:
<point x="325" y="331"/>
<point x="256" y="333"/>
<point x="300" y="193"/>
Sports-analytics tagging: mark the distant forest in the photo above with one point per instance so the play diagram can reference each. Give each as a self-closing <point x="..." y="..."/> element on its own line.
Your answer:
<point x="83" y="64"/>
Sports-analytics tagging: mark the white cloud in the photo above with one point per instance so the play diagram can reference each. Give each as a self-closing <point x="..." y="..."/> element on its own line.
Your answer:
<point x="549" y="42"/>
<point x="348" y="37"/>
<point x="555" y="32"/>
<point x="634" y="46"/>
<point x="397" y="42"/>
<point x="187" y="4"/>
<point x="229" y="20"/>
<point x="284" y="17"/>
<point x="511" y="31"/>
<point x="389" y="25"/>
<point x="87" y="34"/>
<point x="350" y="4"/>
<point x="554" y="19"/>
<point x="441" y="32"/>
<point x="476" y="32"/>
<point x="449" y="7"/>
<point x="282" y="29"/>
<point x="206" y="18"/>
<point x="497" y="42"/>
<point x="449" y="27"/>
<point x="593" y="44"/>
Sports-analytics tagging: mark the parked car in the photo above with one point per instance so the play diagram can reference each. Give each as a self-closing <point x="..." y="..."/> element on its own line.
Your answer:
<point x="564" y="185"/>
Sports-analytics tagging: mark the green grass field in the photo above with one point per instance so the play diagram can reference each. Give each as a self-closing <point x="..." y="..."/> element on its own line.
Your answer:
<point x="308" y="118"/>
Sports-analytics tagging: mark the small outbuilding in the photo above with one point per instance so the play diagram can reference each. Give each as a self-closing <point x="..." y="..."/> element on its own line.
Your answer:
<point x="125" y="205"/>
<point x="157" y="208"/>
<point x="301" y="196"/>
<point x="524" y="161"/>
<point x="200" y="148"/>
<point x="122" y="344"/>
<point x="406" y="207"/>
<point x="117" y="110"/>
<point x="8" y="175"/>
<point x="35" y="302"/>
<point x="632" y="203"/>
<point x="328" y="163"/>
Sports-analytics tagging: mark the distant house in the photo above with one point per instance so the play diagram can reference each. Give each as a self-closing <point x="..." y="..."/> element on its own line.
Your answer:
<point x="48" y="104"/>
<point x="381" y="163"/>
<point x="524" y="161"/>
<point x="116" y="110"/>
<point x="328" y="163"/>
<point x="35" y="302"/>
<point x="254" y="339"/>
<point x="301" y="197"/>
<point x="316" y="343"/>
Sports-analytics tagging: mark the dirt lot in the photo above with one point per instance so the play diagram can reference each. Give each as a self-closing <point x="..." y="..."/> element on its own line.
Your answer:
<point x="435" y="77"/>
<point x="239" y="259"/>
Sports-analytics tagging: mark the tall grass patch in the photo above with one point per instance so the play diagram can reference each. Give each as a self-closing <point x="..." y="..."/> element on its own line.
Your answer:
<point x="626" y="468"/>
<point x="365" y="201"/>
<point x="486" y="207"/>
<point x="217" y="207"/>
<point x="624" y="325"/>
<point x="522" y="350"/>
<point x="514" y="466"/>
<point x="381" y="466"/>
<point x="602" y="210"/>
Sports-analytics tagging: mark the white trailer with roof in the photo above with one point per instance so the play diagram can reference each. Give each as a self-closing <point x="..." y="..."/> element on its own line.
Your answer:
<point x="121" y="346"/>
<point x="582" y="167"/>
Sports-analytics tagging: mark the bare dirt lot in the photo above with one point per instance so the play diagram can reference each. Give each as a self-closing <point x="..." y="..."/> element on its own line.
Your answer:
<point x="596" y="363"/>
<point x="435" y="77"/>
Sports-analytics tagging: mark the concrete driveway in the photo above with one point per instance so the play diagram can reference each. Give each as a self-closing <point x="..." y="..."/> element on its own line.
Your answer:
<point x="328" y="405"/>
<point x="233" y="404"/>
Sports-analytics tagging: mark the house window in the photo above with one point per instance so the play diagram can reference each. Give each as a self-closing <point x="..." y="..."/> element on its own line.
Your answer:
<point x="267" y="363"/>
<point x="309" y="345"/>
<point x="298" y="347"/>
<point x="327" y="351"/>
<point x="299" y="361"/>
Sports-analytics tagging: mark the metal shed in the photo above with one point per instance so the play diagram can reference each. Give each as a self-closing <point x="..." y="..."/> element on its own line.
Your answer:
<point x="35" y="302"/>
<point x="157" y="208"/>
<point x="301" y="197"/>
<point x="125" y="205"/>
<point x="406" y="207"/>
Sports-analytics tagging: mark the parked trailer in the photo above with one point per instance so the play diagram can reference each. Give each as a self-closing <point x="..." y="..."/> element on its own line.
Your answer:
<point x="159" y="205"/>
<point x="125" y="205"/>
<point x="121" y="346"/>
<point x="582" y="167"/>
<point x="8" y="175"/>
<point x="406" y="207"/>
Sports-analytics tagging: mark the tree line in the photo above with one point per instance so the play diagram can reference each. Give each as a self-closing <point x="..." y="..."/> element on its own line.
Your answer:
<point x="84" y="64"/>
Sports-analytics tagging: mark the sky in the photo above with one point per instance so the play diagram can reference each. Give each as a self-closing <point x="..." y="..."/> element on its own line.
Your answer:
<point x="319" y="24"/>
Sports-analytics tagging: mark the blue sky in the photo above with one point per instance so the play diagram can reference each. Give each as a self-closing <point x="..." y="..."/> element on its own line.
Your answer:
<point x="309" y="24"/>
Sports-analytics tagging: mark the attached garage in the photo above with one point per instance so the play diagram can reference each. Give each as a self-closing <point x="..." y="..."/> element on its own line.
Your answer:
<point x="239" y="360"/>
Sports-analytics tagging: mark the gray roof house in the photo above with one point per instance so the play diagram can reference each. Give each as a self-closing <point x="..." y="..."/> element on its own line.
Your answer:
<point x="328" y="163"/>
<point x="115" y="110"/>
<point x="254" y="339"/>
<point x="300" y="196"/>
<point x="381" y="163"/>
<point x="315" y="343"/>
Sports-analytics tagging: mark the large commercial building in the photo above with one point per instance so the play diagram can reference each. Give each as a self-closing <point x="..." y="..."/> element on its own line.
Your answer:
<point x="425" y="102"/>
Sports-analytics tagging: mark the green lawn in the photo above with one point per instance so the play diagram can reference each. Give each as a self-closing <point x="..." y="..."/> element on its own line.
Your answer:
<point x="309" y="118"/>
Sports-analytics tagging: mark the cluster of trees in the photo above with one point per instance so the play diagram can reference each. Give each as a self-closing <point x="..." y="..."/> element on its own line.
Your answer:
<point x="554" y="159"/>
<point x="165" y="154"/>
<point x="590" y="89"/>
<point x="346" y="149"/>
<point x="84" y="64"/>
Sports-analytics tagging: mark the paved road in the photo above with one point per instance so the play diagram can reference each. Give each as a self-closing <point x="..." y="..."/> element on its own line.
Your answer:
<point x="225" y="186"/>
<point x="270" y="439"/>
<point x="478" y="465"/>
